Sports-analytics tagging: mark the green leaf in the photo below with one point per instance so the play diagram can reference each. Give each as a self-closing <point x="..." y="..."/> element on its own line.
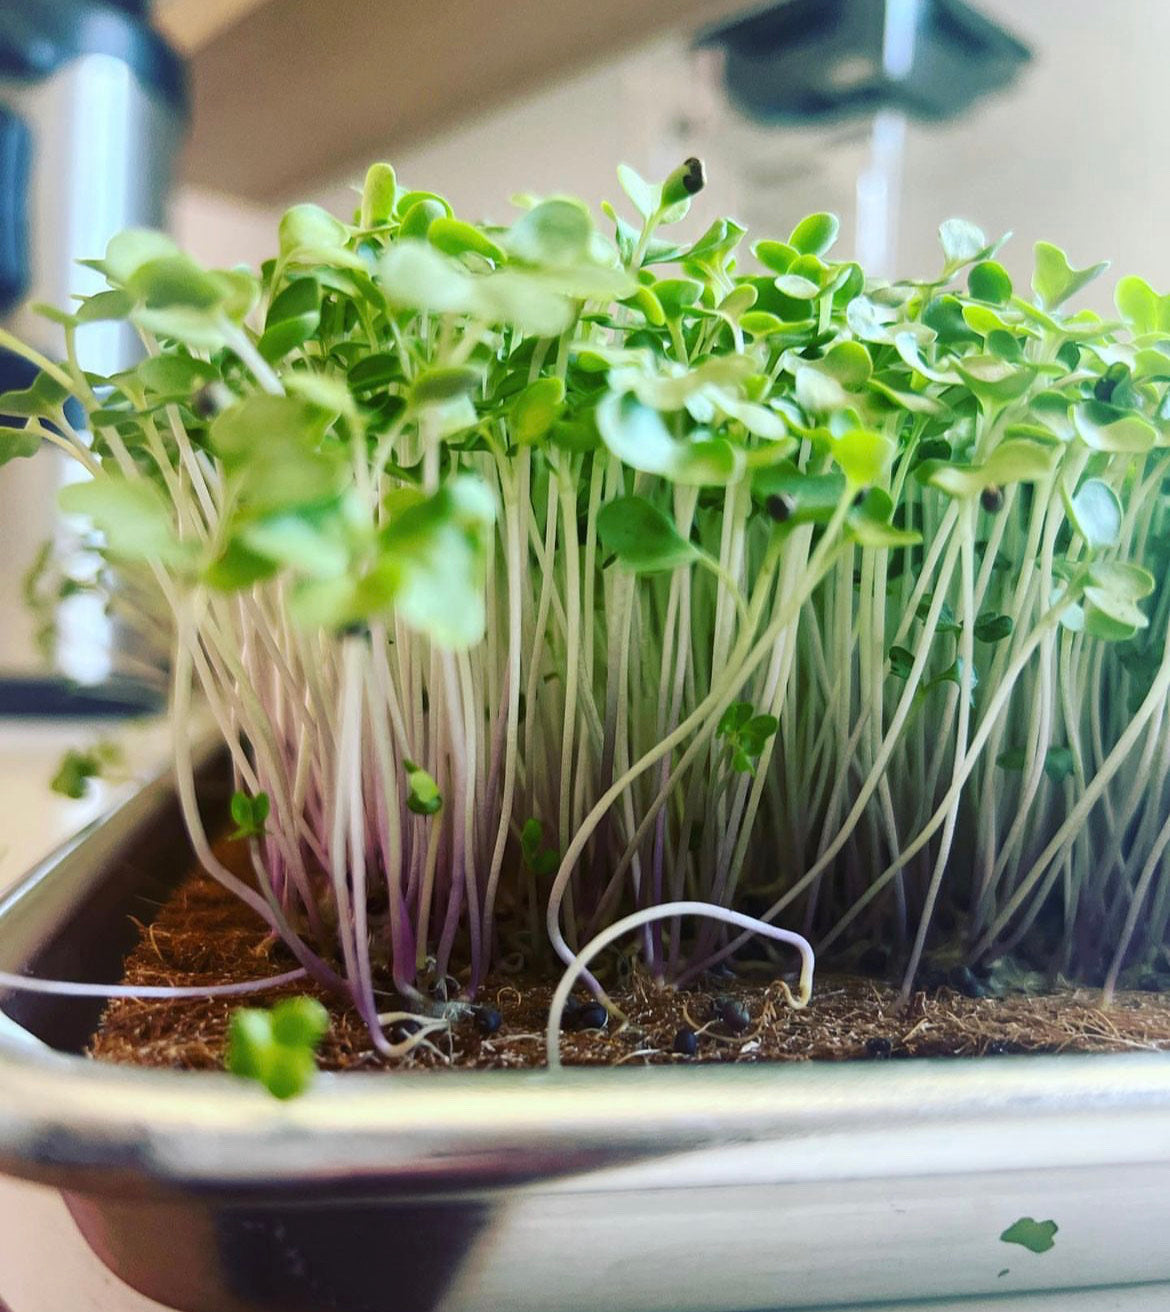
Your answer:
<point x="759" y="323"/>
<point x="314" y="540"/>
<point x="848" y="362"/>
<point x="989" y="281"/>
<point x="733" y="719"/>
<point x="961" y="241"/>
<point x="438" y="385"/>
<point x="454" y="237"/>
<point x="642" y="536"/>
<point x="250" y="815"/>
<point x="308" y="228"/>
<point x="423" y="796"/>
<point x="292" y="319"/>
<point x="713" y="248"/>
<point x="636" y="434"/>
<point x="901" y="662"/>
<point x="379" y="193"/>
<point x="1036" y="1236"/>
<point x="414" y="275"/>
<point x="775" y="255"/>
<point x="1055" y="280"/>
<point x="1105" y="429"/>
<point x="869" y="523"/>
<point x="417" y="220"/>
<point x="175" y="280"/>
<point x="1138" y="304"/>
<point x="273" y="446"/>
<point x="815" y="234"/>
<point x="644" y="196"/>
<point x="249" y="1042"/>
<point x="434" y="562"/>
<point x="105" y="307"/>
<point x="17" y="443"/>
<point x="237" y="567"/>
<point x="534" y="411"/>
<point x="556" y="233"/>
<point x="862" y="454"/>
<point x="1059" y="763"/>
<point x="818" y="392"/>
<point x="1015" y="460"/>
<point x="175" y="376"/>
<point x="994" y="379"/>
<point x="133" y="515"/>
<point x="75" y="772"/>
<point x="542" y="861"/>
<point x="1112" y="616"/>
<point x="806" y="498"/>
<point x="41" y="398"/>
<point x="128" y="250"/>
<point x="300" y="1022"/>
<point x="1096" y="514"/>
<point x="991" y="627"/>
<point x="277" y="1048"/>
<point x="796" y="286"/>
<point x="1122" y="579"/>
<point x="524" y="300"/>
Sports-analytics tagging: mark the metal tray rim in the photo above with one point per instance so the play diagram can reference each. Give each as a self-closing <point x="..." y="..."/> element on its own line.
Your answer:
<point x="63" y="1117"/>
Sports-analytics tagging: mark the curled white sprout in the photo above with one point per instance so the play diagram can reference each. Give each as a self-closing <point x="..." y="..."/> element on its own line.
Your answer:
<point x="664" y="912"/>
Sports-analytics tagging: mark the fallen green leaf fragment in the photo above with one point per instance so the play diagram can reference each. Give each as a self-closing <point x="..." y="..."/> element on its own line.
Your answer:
<point x="1035" y="1236"/>
<point x="79" y="768"/>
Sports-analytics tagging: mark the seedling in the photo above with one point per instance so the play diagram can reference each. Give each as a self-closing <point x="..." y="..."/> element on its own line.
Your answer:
<point x="577" y="572"/>
<point x="277" y="1048"/>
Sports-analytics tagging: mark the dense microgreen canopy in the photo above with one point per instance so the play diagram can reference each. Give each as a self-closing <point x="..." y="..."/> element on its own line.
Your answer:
<point x="563" y="570"/>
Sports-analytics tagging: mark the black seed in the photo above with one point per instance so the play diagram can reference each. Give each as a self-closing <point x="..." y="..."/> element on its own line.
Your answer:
<point x="963" y="980"/>
<point x="210" y="399"/>
<point x="780" y="506"/>
<point x="695" y="177"/>
<point x="591" y="1016"/>
<point x="401" y="1030"/>
<point x="991" y="499"/>
<point x="733" y="1014"/>
<point x="487" y="1020"/>
<point x="878" y="1047"/>
<point x="686" y="1042"/>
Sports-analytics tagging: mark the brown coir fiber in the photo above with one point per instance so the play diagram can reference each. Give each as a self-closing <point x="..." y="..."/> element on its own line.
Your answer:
<point x="204" y="935"/>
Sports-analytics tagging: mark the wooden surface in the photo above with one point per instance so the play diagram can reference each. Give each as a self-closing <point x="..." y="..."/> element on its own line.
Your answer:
<point x="293" y="92"/>
<point x="190" y="24"/>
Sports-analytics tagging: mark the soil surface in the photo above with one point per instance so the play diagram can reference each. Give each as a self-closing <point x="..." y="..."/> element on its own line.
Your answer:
<point x="204" y="935"/>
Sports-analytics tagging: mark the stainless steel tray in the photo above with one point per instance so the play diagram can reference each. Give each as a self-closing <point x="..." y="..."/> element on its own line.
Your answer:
<point x="698" y="1189"/>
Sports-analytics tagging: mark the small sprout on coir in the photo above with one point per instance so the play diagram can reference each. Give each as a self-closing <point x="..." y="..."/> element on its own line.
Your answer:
<point x="277" y="1048"/>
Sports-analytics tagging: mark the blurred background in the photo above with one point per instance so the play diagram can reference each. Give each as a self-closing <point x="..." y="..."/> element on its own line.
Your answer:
<point x="1044" y="117"/>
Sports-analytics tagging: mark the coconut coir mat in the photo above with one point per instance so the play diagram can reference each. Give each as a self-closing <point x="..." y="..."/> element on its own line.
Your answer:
<point x="204" y="935"/>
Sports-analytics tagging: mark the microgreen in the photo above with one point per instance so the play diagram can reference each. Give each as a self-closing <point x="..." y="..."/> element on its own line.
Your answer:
<point x="752" y="578"/>
<point x="250" y="815"/>
<point x="277" y="1048"/>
